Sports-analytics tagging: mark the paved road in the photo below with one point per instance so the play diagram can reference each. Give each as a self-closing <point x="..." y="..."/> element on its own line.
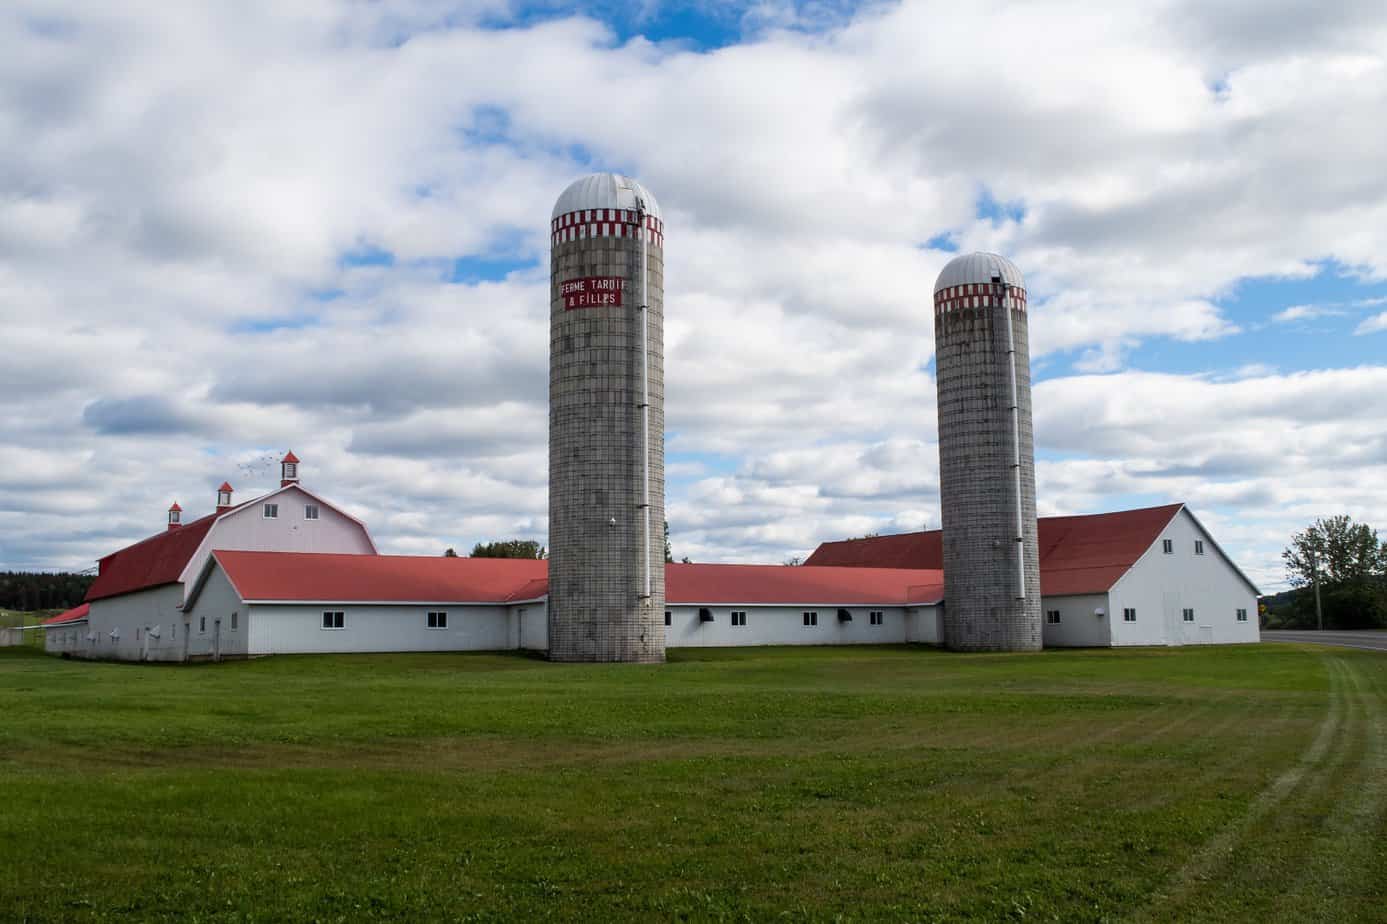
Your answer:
<point x="1373" y="639"/>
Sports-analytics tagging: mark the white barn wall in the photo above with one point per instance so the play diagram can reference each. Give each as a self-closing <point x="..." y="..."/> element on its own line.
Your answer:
<point x="216" y="602"/>
<point x="1078" y="626"/>
<point x="529" y="626"/>
<point x="297" y="628"/>
<point x="1159" y="586"/>
<point x="782" y="625"/>
<point x="156" y="607"/>
<point x="924" y="625"/>
<point x="246" y="529"/>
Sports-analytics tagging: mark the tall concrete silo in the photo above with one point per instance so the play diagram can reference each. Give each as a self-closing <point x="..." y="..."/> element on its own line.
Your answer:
<point x="606" y="423"/>
<point x="986" y="456"/>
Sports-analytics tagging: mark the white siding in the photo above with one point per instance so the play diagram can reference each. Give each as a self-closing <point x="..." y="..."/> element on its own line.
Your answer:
<point x="1078" y="626"/>
<point x="530" y="626"/>
<point x="784" y="625"/>
<point x="210" y="632"/>
<point x="133" y="615"/>
<point x="1160" y="586"/>
<point x="924" y="624"/>
<point x="247" y="529"/>
<point x="298" y="628"/>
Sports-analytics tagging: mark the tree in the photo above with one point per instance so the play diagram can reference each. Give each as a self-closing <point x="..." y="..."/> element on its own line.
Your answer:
<point x="509" y="548"/>
<point x="450" y="553"/>
<point x="1348" y="563"/>
<point x="669" y="556"/>
<point x="794" y="561"/>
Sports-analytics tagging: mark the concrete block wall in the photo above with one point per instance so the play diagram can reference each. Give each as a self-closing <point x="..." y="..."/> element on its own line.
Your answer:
<point x="596" y="612"/>
<point x="977" y="490"/>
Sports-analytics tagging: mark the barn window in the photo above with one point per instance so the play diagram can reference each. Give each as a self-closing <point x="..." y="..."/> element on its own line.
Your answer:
<point x="438" y="620"/>
<point x="876" y="617"/>
<point x="811" y="618"/>
<point x="1168" y="546"/>
<point x="1052" y="617"/>
<point x="334" y="619"/>
<point x="233" y="622"/>
<point x="202" y="624"/>
<point x="669" y="618"/>
<point x="1242" y="615"/>
<point x="1199" y="546"/>
<point x="739" y="617"/>
<point x="173" y="631"/>
<point x="705" y="614"/>
<point x="1188" y="615"/>
<point x="271" y="511"/>
<point x="310" y="512"/>
<point x="1129" y="615"/>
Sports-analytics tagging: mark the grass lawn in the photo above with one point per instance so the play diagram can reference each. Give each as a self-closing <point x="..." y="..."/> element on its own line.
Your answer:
<point x="903" y="784"/>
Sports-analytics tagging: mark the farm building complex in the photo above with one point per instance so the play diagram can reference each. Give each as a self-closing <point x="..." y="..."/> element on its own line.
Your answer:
<point x="291" y="572"/>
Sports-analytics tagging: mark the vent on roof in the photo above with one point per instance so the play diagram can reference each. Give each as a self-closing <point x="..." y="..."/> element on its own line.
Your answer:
<point x="288" y="469"/>
<point x="224" y="497"/>
<point x="175" y="516"/>
<point x="705" y="614"/>
<point x="844" y="616"/>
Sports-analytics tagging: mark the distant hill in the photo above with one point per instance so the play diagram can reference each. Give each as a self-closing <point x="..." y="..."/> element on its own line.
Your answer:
<point x="38" y="590"/>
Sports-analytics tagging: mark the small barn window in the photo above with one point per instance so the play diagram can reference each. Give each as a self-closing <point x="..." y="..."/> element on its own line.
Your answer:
<point x="233" y="621"/>
<point x="334" y="619"/>
<point x="1052" y="617"/>
<point x="669" y="618"/>
<point x="811" y="618"/>
<point x="876" y="617"/>
<point x="1199" y="546"/>
<point x="438" y="620"/>
<point x="271" y="512"/>
<point x="1242" y="615"/>
<point x="1187" y="614"/>
<point x="1168" y="546"/>
<point x="202" y="624"/>
<point x="1129" y="615"/>
<point x="173" y="631"/>
<point x="310" y="512"/>
<point x="739" y="617"/>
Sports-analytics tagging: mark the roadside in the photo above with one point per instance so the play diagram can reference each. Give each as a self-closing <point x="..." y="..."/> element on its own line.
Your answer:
<point x="1368" y="639"/>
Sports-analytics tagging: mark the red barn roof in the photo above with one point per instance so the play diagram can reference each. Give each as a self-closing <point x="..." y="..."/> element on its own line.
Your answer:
<point x="772" y="584"/>
<point x="155" y="561"/>
<point x="312" y="577"/>
<point x="1078" y="554"/>
<point x="76" y="614"/>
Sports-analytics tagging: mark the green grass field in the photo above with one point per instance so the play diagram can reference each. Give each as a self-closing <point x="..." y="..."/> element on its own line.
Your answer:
<point x="899" y="784"/>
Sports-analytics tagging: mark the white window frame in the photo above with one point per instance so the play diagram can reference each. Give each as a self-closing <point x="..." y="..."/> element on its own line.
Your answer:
<point x="739" y="618"/>
<point x="338" y="617"/>
<point x="1168" y="546"/>
<point x="1242" y="615"/>
<point x="202" y="625"/>
<point x="311" y="512"/>
<point x="269" y="512"/>
<point x="233" y="620"/>
<point x="1052" y="618"/>
<point x="669" y="617"/>
<point x="291" y="470"/>
<point x="1187" y="614"/>
<point x="436" y="620"/>
<point x="811" y="619"/>
<point x="1129" y="614"/>
<point x="876" y="618"/>
<point x="1199" y="546"/>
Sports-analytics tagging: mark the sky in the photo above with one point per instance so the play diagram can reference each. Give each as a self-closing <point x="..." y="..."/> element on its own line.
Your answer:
<point x="232" y="229"/>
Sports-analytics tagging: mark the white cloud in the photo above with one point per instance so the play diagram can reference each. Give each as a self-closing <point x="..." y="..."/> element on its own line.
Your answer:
<point x="1305" y="313"/>
<point x="1374" y="325"/>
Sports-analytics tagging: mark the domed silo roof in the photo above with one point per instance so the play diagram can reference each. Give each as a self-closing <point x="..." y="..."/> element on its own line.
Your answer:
<point x="604" y="191"/>
<point x="978" y="267"/>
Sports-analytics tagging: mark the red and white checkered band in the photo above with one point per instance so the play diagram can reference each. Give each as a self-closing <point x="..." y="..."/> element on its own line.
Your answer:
<point x="576" y="226"/>
<point x="975" y="295"/>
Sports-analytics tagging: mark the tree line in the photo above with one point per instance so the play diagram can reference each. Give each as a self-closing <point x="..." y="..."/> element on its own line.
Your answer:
<point x="1347" y="564"/>
<point x="37" y="590"/>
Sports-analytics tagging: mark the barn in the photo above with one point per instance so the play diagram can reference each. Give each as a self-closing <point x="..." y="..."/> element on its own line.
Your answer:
<point x="1153" y="576"/>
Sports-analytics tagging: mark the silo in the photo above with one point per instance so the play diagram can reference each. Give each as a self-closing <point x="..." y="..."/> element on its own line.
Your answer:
<point x="986" y="456"/>
<point x="606" y="423"/>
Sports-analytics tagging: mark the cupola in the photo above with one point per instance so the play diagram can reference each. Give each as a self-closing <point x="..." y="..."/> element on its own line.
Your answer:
<point x="175" y="516"/>
<point x="224" y="497"/>
<point x="288" y="469"/>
